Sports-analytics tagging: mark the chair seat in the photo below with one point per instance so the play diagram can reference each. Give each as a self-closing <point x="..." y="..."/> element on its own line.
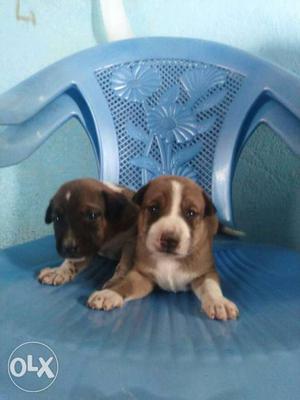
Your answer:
<point x="161" y="347"/>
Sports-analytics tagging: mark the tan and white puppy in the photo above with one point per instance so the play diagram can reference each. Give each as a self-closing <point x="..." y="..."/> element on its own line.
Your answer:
<point x="90" y="218"/>
<point x="176" y="225"/>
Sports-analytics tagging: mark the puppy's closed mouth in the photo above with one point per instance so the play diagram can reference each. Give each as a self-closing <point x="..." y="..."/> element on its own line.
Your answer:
<point x="170" y="253"/>
<point x="78" y="259"/>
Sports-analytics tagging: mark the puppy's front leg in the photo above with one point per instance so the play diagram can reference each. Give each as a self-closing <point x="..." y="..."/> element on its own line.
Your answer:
<point x="214" y="304"/>
<point x="66" y="272"/>
<point x="132" y="286"/>
<point x="124" y="265"/>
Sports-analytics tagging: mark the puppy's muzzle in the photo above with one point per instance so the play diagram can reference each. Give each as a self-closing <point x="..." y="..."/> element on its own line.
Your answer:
<point x="168" y="242"/>
<point x="70" y="248"/>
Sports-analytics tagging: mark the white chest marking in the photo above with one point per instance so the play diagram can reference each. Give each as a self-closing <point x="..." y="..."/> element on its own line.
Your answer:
<point x="169" y="276"/>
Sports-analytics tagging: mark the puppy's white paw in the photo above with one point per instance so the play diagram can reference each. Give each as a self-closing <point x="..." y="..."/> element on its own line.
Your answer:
<point x="56" y="276"/>
<point x="105" y="299"/>
<point x="222" y="309"/>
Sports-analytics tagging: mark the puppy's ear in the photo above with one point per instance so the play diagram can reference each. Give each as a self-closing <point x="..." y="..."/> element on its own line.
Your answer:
<point x="118" y="208"/>
<point x="48" y="215"/>
<point x="139" y="195"/>
<point x="209" y="209"/>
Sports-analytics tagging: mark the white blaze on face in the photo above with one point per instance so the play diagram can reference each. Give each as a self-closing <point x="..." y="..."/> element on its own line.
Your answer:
<point x="68" y="195"/>
<point x="173" y="222"/>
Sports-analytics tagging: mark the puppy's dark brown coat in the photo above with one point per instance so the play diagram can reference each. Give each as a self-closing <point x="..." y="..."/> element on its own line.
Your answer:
<point x="89" y="218"/>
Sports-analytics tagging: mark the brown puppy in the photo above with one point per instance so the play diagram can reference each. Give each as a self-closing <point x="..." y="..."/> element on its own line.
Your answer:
<point x="176" y="225"/>
<point x="90" y="218"/>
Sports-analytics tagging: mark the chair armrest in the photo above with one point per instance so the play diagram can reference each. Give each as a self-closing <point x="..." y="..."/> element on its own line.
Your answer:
<point x="18" y="142"/>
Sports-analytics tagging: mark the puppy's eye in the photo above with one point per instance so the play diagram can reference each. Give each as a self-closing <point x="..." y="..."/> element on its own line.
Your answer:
<point x="58" y="218"/>
<point x="190" y="214"/>
<point x="154" y="209"/>
<point x="92" y="216"/>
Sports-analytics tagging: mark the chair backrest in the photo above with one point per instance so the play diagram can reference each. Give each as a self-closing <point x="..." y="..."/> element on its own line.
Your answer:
<point x="156" y="106"/>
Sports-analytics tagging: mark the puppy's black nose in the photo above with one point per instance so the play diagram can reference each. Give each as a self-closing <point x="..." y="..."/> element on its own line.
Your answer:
<point x="70" y="250"/>
<point x="168" y="242"/>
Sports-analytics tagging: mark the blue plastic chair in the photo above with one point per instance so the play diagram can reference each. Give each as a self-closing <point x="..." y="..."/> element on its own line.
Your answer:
<point x="157" y="106"/>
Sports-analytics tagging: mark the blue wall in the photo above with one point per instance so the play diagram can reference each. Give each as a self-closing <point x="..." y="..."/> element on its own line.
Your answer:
<point x="62" y="28"/>
<point x="267" y="182"/>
